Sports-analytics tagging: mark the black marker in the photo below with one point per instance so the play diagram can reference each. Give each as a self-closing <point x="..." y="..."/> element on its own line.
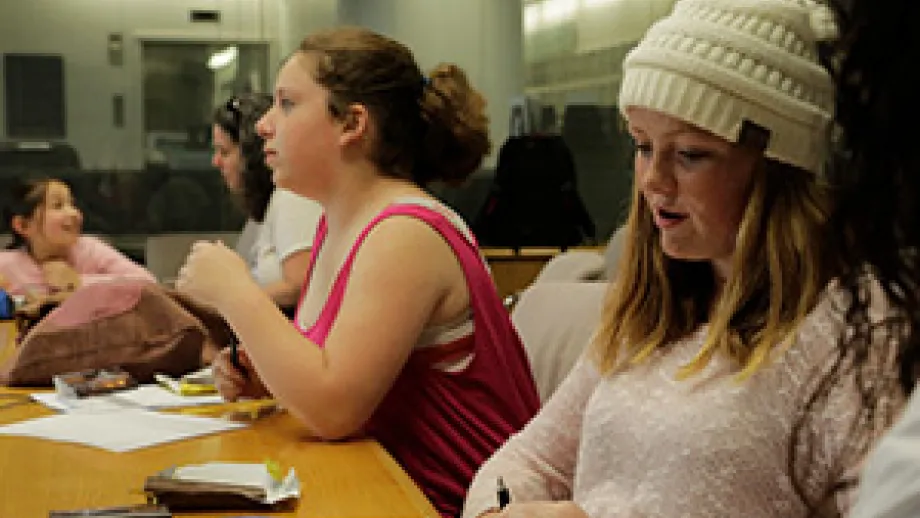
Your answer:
<point x="504" y="496"/>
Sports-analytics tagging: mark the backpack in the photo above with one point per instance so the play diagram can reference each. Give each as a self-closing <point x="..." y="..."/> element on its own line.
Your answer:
<point x="133" y="325"/>
<point x="534" y="199"/>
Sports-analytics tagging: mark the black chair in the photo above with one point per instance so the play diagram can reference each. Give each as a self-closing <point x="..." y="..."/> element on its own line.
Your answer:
<point x="534" y="198"/>
<point x="603" y="157"/>
<point x="33" y="155"/>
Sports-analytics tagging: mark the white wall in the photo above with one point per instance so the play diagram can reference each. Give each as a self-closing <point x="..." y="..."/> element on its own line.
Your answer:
<point x="78" y="31"/>
<point x="301" y="17"/>
<point x="481" y="36"/>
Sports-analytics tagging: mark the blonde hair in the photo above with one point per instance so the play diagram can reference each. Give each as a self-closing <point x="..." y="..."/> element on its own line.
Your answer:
<point x="779" y="272"/>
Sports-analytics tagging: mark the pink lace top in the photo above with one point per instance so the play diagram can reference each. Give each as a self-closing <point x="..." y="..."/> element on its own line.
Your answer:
<point x="641" y="443"/>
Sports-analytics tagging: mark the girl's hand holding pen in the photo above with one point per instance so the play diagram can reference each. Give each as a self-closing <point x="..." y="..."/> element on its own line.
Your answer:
<point x="233" y="383"/>
<point x="566" y="509"/>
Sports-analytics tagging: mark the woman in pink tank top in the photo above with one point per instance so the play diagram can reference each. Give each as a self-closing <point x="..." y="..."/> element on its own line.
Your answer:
<point x="358" y="127"/>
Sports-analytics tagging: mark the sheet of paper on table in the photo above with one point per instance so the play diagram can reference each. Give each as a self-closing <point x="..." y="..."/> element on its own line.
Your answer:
<point x="144" y="396"/>
<point x="126" y="430"/>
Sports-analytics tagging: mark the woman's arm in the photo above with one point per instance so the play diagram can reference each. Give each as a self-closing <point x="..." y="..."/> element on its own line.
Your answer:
<point x="401" y="274"/>
<point x="539" y="462"/>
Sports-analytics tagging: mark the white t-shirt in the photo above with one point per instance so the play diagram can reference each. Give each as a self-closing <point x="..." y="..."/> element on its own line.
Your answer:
<point x="289" y="226"/>
<point x="246" y="242"/>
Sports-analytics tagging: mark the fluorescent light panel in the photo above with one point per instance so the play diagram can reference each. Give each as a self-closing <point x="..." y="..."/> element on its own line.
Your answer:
<point x="222" y="58"/>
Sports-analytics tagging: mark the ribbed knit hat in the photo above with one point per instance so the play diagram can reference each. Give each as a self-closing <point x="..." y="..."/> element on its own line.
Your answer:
<point x="718" y="63"/>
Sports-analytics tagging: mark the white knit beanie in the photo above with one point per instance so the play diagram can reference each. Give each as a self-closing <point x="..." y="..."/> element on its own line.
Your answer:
<point x="718" y="63"/>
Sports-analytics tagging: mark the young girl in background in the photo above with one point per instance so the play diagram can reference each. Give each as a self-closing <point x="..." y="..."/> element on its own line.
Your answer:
<point x="49" y="257"/>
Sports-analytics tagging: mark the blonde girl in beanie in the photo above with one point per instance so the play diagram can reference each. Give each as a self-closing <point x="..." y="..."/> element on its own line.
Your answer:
<point x="724" y="311"/>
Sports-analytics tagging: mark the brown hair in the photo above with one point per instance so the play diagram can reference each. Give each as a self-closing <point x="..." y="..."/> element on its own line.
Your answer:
<point x="427" y="128"/>
<point x="779" y="272"/>
<point x="27" y="196"/>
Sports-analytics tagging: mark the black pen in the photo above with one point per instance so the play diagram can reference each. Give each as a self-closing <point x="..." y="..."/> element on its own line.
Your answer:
<point x="504" y="496"/>
<point x="235" y="356"/>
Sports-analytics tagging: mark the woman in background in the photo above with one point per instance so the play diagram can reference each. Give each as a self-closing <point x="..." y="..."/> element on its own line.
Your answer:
<point x="279" y="231"/>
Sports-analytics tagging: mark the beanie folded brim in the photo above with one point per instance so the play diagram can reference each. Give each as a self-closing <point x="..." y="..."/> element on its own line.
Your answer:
<point x="708" y="106"/>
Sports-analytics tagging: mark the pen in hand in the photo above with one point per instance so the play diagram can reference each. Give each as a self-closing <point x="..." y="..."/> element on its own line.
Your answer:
<point x="504" y="496"/>
<point x="235" y="356"/>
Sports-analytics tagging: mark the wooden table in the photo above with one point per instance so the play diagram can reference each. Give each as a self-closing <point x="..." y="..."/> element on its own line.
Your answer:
<point x="515" y="269"/>
<point x="348" y="479"/>
<point x="7" y="339"/>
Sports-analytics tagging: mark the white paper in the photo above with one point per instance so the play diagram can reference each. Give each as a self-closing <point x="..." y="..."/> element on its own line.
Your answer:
<point x="242" y="474"/>
<point x="125" y="430"/>
<point x="203" y="376"/>
<point x="144" y="396"/>
<point x="93" y="404"/>
<point x="155" y="396"/>
<point x="171" y="384"/>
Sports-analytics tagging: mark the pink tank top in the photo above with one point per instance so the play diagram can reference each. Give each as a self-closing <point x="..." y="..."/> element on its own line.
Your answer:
<point x="440" y="426"/>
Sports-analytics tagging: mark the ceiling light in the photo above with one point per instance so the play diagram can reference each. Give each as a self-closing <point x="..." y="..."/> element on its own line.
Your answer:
<point x="222" y="58"/>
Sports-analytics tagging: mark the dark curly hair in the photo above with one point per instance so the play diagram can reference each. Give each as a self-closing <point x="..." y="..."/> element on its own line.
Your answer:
<point x="879" y="168"/>
<point x="237" y="118"/>
<point x="876" y="223"/>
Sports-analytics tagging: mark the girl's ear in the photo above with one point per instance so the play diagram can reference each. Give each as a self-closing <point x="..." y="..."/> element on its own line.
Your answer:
<point x="355" y="123"/>
<point x="21" y="225"/>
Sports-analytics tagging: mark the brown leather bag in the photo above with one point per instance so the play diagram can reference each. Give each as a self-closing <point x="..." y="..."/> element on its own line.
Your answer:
<point x="135" y="325"/>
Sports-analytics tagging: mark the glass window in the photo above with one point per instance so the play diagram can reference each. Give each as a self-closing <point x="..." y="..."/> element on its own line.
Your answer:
<point x="573" y="52"/>
<point x="117" y="101"/>
<point x="116" y="97"/>
<point x="182" y="84"/>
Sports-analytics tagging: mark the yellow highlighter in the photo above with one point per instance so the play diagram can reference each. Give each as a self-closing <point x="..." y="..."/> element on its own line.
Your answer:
<point x="191" y="388"/>
<point x="186" y="386"/>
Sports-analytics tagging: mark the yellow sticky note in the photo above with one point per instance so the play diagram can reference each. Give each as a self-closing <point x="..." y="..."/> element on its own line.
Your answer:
<point x="274" y="470"/>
